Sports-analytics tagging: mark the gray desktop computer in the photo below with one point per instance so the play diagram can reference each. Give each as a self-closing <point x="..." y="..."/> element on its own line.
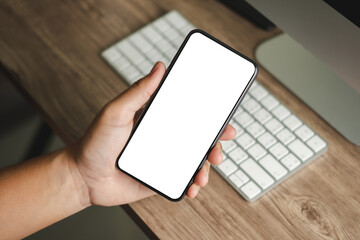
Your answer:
<point x="318" y="57"/>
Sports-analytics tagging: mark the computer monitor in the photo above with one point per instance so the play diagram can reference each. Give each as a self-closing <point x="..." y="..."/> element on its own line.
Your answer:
<point x="322" y="65"/>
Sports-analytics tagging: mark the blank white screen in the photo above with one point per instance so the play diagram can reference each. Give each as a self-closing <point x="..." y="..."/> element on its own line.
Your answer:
<point x="186" y="115"/>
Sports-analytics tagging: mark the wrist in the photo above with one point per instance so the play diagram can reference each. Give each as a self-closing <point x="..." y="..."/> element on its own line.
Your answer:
<point x="80" y="187"/>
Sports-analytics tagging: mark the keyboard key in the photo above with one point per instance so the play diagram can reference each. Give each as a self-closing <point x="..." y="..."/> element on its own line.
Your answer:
<point x="273" y="167"/>
<point x="140" y="42"/>
<point x="250" y="190"/>
<point x="163" y="46"/>
<point x="150" y="33"/>
<point x="269" y="102"/>
<point x="300" y="150"/>
<point x="290" y="161"/>
<point x="292" y="122"/>
<point x="145" y="67"/>
<point x="227" y="146"/>
<point x="239" y="178"/>
<point x="165" y="60"/>
<point x="256" y="151"/>
<point x="257" y="173"/>
<point x="251" y="105"/>
<point x="154" y="55"/>
<point x="258" y="92"/>
<point x="238" y="129"/>
<point x="185" y="30"/>
<point x="279" y="150"/>
<point x="121" y="64"/>
<point x="130" y="52"/>
<point x="246" y="98"/>
<point x="241" y="175"/>
<point x="316" y="143"/>
<point x="304" y="132"/>
<point x="224" y="156"/>
<point x="238" y="155"/>
<point x="161" y="25"/>
<point x="244" y="119"/>
<point x="245" y="141"/>
<point x="255" y="129"/>
<point x="111" y="54"/>
<point x="267" y="140"/>
<point x="235" y="180"/>
<point x="170" y="53"/>
<point x="255" y="84"/>
<point x="227" y="167"/>
<point x="176" y="19"/>
<point x="281" y="112"/>
<point x="285" y="136"/>
<point x="136" y="77"/>
<point x="177" y="42"/>
<point x="239" y="110"/>
<point x="130" y="73"/>
<point x="274" y="126"/>
<point x="171" y="34"/>
<point x="262" y="115"/>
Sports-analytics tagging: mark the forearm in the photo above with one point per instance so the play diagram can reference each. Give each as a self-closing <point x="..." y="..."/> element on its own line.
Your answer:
<point x="39" y="192"/>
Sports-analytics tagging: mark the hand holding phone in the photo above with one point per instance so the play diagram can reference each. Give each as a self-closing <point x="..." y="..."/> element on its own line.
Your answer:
<point x="94" y="154"/>
<point x="185" y="117"/>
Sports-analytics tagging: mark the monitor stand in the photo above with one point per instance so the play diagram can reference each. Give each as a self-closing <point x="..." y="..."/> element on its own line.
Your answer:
<point x="308" y="78"/>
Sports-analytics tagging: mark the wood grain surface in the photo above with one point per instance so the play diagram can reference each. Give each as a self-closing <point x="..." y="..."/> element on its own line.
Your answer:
<point x="50" y="49"/>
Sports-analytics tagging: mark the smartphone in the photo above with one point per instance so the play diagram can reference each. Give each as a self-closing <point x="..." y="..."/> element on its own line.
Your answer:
<point x="185" y="117"/>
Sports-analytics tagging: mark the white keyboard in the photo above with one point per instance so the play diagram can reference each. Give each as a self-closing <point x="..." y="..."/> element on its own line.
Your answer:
<point x="271" y="143"/>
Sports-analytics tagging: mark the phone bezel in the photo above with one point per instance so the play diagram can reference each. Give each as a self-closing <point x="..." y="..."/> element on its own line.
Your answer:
<point x="137" y="123"/>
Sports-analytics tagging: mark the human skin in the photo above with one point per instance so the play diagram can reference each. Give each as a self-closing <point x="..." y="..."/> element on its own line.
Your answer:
<point x="46" y="189"/>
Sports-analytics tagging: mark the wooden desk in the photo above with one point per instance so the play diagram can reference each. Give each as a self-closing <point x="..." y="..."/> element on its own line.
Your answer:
<point x="50" y="49"/>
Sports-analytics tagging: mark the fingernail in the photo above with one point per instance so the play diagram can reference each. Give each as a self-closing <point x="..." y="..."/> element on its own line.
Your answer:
<point x="155" y="67"/>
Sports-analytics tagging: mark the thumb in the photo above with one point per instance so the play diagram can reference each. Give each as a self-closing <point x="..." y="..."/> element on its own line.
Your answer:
<point x="139" y="93"/>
